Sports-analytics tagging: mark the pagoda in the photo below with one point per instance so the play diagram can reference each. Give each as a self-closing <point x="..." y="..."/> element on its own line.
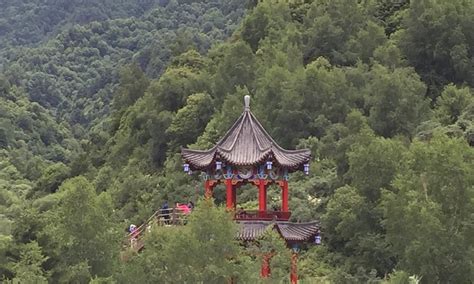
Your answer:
<point x="247" y="154"/>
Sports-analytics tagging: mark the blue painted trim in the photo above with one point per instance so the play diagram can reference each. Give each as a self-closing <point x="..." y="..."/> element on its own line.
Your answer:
<point x="229" y="173"/>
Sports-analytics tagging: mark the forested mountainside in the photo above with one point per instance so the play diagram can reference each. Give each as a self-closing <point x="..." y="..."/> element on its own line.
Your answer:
<point x="52" y="93"/>
<point x="30" y="22"/>
<point x="74" y="72"/>
<point x="93" y="117"/>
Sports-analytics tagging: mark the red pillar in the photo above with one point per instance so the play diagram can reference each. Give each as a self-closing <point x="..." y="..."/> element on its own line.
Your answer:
<point x="262" y="195"/>
<point x="208" y="189"/>
<point x="265" y="271"/>
<point x="284" y="196"/>
<point x="234" y="197"/>
<point x="229" y="194"/>
<point x="294" y="269"/>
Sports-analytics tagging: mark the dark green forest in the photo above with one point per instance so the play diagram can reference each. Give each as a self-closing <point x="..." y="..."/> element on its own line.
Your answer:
<point x="98" y="96"/>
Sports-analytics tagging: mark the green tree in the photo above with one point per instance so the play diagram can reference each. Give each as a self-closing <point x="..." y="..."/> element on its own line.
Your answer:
<point x="389" y="13"/>
<point x="327" y="92"/>
<point x="174" y="86"/>
<point x="202" y="251"/>
<point x="81" y="235"/>
<point x="365" y="42"/>
<point x="396" y="101"/>
<point x="52" y="177"/>
<point x="452" y="103"/>
<point x="330" y="25"/>
<point x="429" y="220"/>
<point x="339" y="138"/>
<point x="190" y="120"/>
<point x="351" y="227"/>
<point x="29" y="268"/>
<point x="133" y="84"/>
<point x="373" y="167"/>
<point x="235" y="69"/>
<point x="4" y="86"/>
<point x="276" y="105"/>
<point x="254" y="26"/>
<point x="5" y="262"/>
<point x="437" y="40"/>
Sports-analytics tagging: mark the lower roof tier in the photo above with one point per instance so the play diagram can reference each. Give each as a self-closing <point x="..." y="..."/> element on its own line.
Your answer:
<point x="300" y="232"/>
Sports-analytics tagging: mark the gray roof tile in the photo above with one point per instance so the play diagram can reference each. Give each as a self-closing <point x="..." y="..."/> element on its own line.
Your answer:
<point x="246" y="143"/>
<point x="252" y="230"/>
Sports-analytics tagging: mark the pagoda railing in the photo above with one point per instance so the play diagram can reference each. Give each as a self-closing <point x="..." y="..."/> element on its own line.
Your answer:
<point x="262" y="215"/>
<point x="176" y="217"/>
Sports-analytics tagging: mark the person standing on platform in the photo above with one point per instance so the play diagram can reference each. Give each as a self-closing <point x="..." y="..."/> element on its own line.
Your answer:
<point x="165" y="212"/>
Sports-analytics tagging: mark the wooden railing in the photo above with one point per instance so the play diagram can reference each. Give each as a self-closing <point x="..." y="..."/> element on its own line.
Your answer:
<point x="177" y="217"/>
<point x="162" y="217"/>
<point x="262" y="215"/>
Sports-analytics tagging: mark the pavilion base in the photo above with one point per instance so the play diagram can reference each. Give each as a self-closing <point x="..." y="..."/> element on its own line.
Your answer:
<point x="294" y="269"/>
<point x="293" y="234"/>
<point x="265" y="270"/>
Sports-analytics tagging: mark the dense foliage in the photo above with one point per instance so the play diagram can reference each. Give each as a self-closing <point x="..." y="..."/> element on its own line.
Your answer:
<point x="30" y="22"/>
<point x="75" y="72"/>
<point x="380" y="91"/>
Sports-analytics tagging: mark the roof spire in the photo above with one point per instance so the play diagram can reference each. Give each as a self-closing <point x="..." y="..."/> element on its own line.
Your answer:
<point x="247" y="102"/>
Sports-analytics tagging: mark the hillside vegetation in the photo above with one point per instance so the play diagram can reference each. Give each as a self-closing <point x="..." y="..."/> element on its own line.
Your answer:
<point x="380" y="91"/>
<point x="75" y="72"/>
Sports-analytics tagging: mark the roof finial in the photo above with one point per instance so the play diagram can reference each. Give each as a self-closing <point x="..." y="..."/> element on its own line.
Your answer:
<point x="247" y="102"/>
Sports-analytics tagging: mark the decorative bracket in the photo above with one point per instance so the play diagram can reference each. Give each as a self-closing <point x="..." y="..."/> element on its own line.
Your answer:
<point x="228" y="174"/>
<point x="261" y="173"/>
<point x="205" y="176"/>
<point x="274" y="174"/>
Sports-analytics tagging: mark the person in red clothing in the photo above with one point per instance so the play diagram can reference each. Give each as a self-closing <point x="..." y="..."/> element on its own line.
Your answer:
<point x="183" y="208"/>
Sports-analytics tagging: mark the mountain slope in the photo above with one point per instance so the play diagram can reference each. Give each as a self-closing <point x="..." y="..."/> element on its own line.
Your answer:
<point x="75" y="73"/>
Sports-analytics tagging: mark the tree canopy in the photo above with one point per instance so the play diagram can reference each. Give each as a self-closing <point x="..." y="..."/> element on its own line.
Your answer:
<point x="97" y="97"/>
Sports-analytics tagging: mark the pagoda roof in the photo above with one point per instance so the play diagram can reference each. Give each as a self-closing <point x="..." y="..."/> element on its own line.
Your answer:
<point x="246" y="143"/>
<point x="299" y="232"/>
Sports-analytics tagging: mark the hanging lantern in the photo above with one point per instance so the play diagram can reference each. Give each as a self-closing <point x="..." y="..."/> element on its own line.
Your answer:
<point x="317" y="239"/>
<point x="218" y="166"/>
<point x="269" y="165"/>
<point x="186" y="168"/>
<point x="306" y="168"/>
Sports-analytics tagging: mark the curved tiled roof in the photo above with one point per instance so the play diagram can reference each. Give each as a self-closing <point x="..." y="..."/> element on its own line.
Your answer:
<point x="246" y="143"/>
<point x="252" y="230"/>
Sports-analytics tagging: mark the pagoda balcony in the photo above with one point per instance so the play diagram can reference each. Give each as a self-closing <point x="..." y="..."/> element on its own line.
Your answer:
<point x="245" y="215"/>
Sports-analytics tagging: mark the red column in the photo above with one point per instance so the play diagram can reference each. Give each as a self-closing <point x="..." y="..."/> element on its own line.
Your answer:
<point x="265" y="271"/>
<point x="229" y="194"/>
<point x="294" y="269"/>
<point x="262" y="195"/>
<point x="234" y="197"/>
<point x="208" y="189"/>
<point x="284" y="196"/>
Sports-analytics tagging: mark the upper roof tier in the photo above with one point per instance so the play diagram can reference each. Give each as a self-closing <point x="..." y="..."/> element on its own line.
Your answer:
<point x="246" y="143"/>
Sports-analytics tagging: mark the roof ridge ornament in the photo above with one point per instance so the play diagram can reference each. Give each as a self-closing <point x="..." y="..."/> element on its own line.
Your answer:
<point x="247" y="102"/>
